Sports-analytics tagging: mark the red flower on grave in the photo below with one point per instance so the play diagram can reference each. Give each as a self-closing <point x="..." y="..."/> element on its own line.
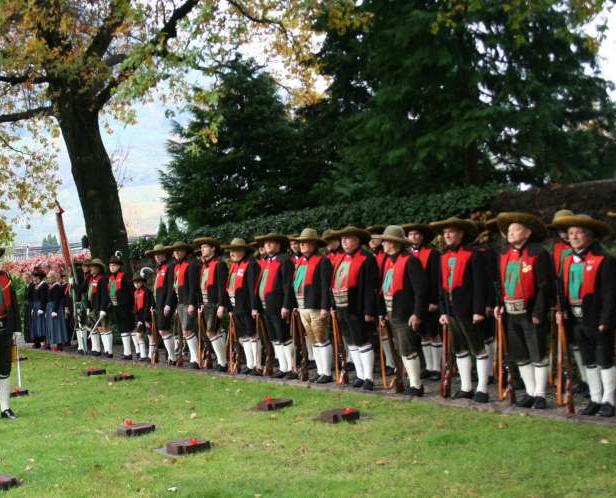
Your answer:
<point x="128" y="422"/>
<point x="348" y="411"/>
<point x="91" y="369"/>
<point x="268" y="399"/>
<point x="193" y="441"/>
<point x="123" y="375"/>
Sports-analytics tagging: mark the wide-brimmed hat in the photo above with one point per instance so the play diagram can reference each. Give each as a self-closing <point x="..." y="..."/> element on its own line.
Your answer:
<point x="491" y="225"/>
<point x="376" y="229"/>
<point x="351" y="231"/>
<point x="466" y="226"/>
<point x="424" y="228"/>
<point x="310" y="235"/>
<point x="530" y="221"/>
<point x="393" y="233"/>
<point x="329" y="234"/>
<point x="157" y="249"/>
<point x="272" y="236"/>
<point x="98" y="262"/>
<point x="557" y="215"/>
<point x="599" y="228"/>
<point x="114" y="260"/>
<point x="210" y="241"/>
<point x="181" y="246"/>
<point x="238" y="244"/>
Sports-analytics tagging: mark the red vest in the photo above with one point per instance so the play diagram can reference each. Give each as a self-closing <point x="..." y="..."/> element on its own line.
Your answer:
<point x="159" y="281"/>
<point x="117" y="278"/>
<point x="139" y="299"/>
<point x="557" y="254"/>
<point x="399" y="265"/>
<point x="526" y="285"/>
<point x="271" y="266"/>
<point x="180" y="273"/>
<point x="312" y="264"/>
<point x="423" y="254"/>
<point x="239" y="271"/>
<point x="463" y="256"/>
<point x="5" y="286"/>
<point x="592" y="264"/>
<point x="211" y="276"/>
<point x="356" y="261"/>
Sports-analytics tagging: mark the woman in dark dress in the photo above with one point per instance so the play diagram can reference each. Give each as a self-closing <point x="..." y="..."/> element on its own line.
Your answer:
<point x="39" y="305"/>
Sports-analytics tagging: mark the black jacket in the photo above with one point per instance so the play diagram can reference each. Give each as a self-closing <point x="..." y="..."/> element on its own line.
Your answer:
<point x="280" y="295"/>
<point x="57" y="297"/>
<point x="216" y="291"/>
<point x="40" y="293"/>
<point x="412" y="298"/>
<point x="245" y="299"/>
<point x="161" y="293"/>
<point x="125" y="294"/>
<point x="188" y="293"/>
<point x="317" y="294"/>
<point x="13" y="321"/>
<point x="362" y="298"/>
<point x="144" y="314"/>
<point x="100" y="298"/>
<point x="471" y="296"/>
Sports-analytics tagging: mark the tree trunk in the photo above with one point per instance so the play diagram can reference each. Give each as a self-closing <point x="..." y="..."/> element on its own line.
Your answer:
<point x="96" y="185"/>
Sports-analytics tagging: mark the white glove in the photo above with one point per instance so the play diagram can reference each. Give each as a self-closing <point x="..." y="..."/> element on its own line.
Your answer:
<point x="71" y="280"/>
<point x="139" y="324"/>
<point x="40" y="312"/>
<point x="102" y="314"/>
<point x="167" y="309"/>
<point x="54" y="314"/>
<point x="89" y="312"/>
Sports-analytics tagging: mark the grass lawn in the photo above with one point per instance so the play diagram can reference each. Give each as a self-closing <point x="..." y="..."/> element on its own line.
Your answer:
<point x="63" y="442"/>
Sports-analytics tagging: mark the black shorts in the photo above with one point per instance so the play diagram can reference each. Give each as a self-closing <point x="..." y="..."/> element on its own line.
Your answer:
<point x="596" y="348"/>
<point x="467" y="336"/>
<point x="278" y="330"/>
<point x="405" y="338"/>
<point x="163" y="322"/>
<point x="210" y="319"/>
<point x="123" y="318"/>
<point x="429" y="327"/>
<point x="6" y="343"/>
<point x="244" y="324"/>
<point x="355" y="330"/>
<point x="526" y="341"/>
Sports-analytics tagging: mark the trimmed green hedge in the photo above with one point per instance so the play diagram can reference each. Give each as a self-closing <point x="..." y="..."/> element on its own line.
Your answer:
<point x="382" y="210"/>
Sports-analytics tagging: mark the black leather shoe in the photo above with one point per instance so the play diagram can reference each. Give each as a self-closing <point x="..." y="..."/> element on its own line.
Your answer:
<point x="127" y="357"/>
<point x="221" y="368"/>
<point x="291" y="375"/>
<point x="244" y="370"/>
<point x="539" y="403"/>
<point x="192" y="364"/>
<point x="357" y="383"/>
<point x="435" y="376"/>
<point x="314" y="378"/>
<point x="481" y="397"/>
<point x="254" y="372"/>
<point x="525" y="401"/>
<point x="590" y="409"/>
<point x="172" y="363"/>
<point x="463" y="394"/>
<point x="325" y="379"/>
<point x="109" y="355"/>
<point x="425" y="374"/>
<point x="94" y="353"/>
<point x="606" y="410"/>
<point x="414" y="391"/>
<point x="368" y="385"/>
<point x="8" y="413"/>
<point x="279" y="374"/>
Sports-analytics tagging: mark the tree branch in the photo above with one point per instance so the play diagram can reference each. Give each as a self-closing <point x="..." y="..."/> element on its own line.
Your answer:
<point x="23" y="78"/>
<point x="28" y="114"/>
<point x="103" y="38"/>
<point x="167" y="32"/>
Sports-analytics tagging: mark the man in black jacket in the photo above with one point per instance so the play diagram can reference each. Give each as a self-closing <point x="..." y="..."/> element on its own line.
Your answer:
<point x="589" y="290"/>
<point x="9" y="325"/>
<point x="403" y="301"/>
<point x="354" y="287"/>
<point x="313" y="274"/>
<point x="526" y="282"/>
<point x="275" y="290"/>
<point x="184" y="294"/>
<point x="240" y="298"/>
<point x="163" y="284"/>
<point x="98" y="302"/>
<point x="121" y="306"/>
<point x="213" y="273"/>
<point x="463" y="304"/>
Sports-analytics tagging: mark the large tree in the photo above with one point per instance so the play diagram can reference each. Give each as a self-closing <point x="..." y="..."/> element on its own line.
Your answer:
<point x="473" y="92"/>
<point x="66" y="63"/>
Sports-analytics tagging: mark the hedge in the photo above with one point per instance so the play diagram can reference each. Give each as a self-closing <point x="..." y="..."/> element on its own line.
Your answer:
<point x="381" y="210"/>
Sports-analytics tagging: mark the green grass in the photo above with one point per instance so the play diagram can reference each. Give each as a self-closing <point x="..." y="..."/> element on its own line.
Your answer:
<point x="63" y="442"/>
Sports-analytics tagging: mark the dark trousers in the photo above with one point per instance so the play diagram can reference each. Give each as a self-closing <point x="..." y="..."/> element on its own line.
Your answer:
<point x="278" y="330"/>
<point x="526" y="341"/>
<point x="6" y="341"/>
<point x="244" y="324"/>
<point x="405" y="338"/>
<point x="596" y="348"/>
<point x="466" y="335"/>
<point x="355" y="330"/>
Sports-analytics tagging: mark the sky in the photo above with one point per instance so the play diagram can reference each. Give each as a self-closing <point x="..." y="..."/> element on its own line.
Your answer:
<point x="144" y="144"/>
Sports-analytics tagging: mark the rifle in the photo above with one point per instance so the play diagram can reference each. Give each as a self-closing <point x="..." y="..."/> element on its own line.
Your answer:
<point x="299" y="338"/>
<point x="553" y="345"/>
<point x="177" y="329"/>
<point x="268" y="368"/>
<point x="233" y="348"/>
<point x="446" y="356"/>
<point x="155" y="335"/>
<point x="340" y="363"/>
<point x="398" y="379"/>
<point x="204" y="346"/>
<point x="564" y="397"/>
<point x="503" y="358"/>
